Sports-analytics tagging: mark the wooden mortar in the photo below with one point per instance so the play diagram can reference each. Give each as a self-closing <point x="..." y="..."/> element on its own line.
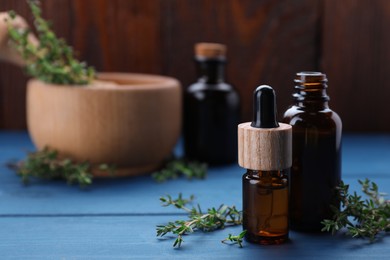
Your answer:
<point x="128" y="120"/>
<point x="132" y="122"/>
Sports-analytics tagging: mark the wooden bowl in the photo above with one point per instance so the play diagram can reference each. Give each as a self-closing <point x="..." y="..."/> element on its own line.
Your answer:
<point x="133" y="124"/>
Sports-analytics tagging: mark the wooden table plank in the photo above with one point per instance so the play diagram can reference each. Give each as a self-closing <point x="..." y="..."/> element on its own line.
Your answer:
<point x="135" y="238"/>
<point x="364" y="156"/>
<point x="116" y="218"/>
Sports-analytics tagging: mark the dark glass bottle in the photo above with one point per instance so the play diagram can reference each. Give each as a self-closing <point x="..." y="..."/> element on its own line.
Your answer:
<point x="211" y="110"/>
<point x="264" y="147"/>
<point x="265" y="206"/>
<point x="316" y="169"/>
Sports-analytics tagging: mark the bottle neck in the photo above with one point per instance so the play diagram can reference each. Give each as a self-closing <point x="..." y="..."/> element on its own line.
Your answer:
<point x="262" y="174"/>
<point x="310" y="91"/>
<point x="210" y="71"/>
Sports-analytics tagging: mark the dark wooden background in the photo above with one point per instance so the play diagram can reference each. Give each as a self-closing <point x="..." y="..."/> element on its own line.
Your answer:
<point x="268" y="41"/>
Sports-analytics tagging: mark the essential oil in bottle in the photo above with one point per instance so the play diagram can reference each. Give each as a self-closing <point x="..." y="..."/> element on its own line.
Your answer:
<point x="264" y="149"/>
<point x="211" y="109"/>
<point x="316" y="169"/>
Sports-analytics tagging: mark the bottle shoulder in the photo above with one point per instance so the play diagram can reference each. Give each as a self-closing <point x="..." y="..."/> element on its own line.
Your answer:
<point x="218" y="87"/>
<point x="268" y="178"/>
<point x="296" y="115"/>
<point x="223" y="93"/>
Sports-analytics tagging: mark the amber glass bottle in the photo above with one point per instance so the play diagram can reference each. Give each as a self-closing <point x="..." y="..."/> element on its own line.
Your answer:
<point x="211" y="110"/>
<point x="264" y="147"/>
<point x="265" y="206"/>
<point x="316" y="169"/>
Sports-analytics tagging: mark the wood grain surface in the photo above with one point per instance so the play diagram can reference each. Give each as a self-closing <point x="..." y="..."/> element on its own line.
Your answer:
<point x="140" y="120"/>
<point x="356" y="58"/>
<point x="267" y="40"/>
<point x="117" y="218"/>
<point x="265" y="149"/>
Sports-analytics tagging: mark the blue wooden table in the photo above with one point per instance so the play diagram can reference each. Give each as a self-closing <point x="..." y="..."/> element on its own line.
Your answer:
<point x="117" y="218"/>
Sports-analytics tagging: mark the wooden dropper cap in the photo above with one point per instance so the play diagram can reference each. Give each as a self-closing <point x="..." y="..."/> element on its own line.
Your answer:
<point x="264" y="144"/>
<point x="210" y="50"/>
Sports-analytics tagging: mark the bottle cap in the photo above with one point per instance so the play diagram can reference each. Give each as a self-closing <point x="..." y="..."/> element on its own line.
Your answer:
<point x="210" y="50"/>
<point x="264" y="144"/>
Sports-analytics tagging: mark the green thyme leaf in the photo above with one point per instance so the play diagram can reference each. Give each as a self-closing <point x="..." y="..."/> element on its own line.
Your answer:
<point x="235" y="239"/>
<point x="179" y="167"/>
<point x="46" y="164"/>
<point x="366" y="218"/>
<point x="52" y="60"/>
<point x="211" y="220"/>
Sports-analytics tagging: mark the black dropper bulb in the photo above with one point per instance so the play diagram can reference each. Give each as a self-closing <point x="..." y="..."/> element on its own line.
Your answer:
<point x="264" y="108"/>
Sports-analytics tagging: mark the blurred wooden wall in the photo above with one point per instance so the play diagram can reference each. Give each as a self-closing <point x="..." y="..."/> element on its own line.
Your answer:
<point x="268" y="41"/>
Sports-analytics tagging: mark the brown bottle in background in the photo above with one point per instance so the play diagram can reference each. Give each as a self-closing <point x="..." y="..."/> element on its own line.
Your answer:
<point x="211" y="109"/>
<point x="316" y="169"/>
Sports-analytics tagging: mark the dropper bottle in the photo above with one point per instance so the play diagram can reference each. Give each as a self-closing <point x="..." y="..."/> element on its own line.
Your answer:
<point x="265" y="150"/>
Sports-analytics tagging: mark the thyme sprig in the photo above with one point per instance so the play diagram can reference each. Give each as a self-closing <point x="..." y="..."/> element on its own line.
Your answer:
<point x="51" y="59"/>
<point x="46" y="164"/>
<point x="176" y="168"/>
<point x="211" y="220"/>
<point x="232" y="239"/>
<point x="366" y="218"/>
